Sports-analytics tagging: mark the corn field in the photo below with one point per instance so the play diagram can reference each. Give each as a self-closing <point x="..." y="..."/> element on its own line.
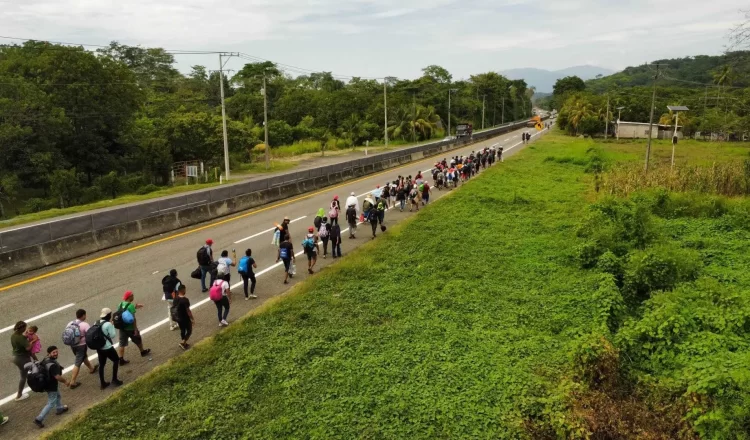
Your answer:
<point x="726" y="178"/>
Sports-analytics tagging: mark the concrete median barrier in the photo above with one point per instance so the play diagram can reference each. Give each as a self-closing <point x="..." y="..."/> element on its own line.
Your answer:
<point x="33" y="247"/>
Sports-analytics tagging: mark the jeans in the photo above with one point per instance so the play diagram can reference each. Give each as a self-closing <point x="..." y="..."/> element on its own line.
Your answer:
<point x="222" y="305"/>
<point x="206" y="270"/>
<point x="334" y="220"/>
<point x="245" y="277"/>
<point x="53" y="399"/>
<point x="403" y="204"/>
<point x="325" y="245"/>
<point x="169" y="313"/>
<point x="110" y="354"/>
<point x="20" y="361"/>
<point x="186" y="329"/>
<point x="336" y="248"/>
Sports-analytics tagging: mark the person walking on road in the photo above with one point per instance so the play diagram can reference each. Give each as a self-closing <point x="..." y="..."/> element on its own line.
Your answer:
<point x="170" y="283"/>
<point x="205" y="259"/>
<point x="401" y="196"/>
<point x="333" y="213"/>
<point x="324" y="234"/>
<point x="78" y="329"/>
<point x="426" y="190"/>
<point x="108" y="350"/>
<point x="281" y="230"/>
<point x="223" y="269"/>
<point x="129" y="331"/>
<point x="336" y="241"/>
<point x="221" y="295"/>
<point x="351" y="219"/>
<point x="21" y="356"/>
<point x="286" y="254"/>
<point x="319" y="218"/>
<point x="311" y="248"/>
<point x="54" y="379"/>
<point x="184" y="317"/>
<point x="245" y="269"/>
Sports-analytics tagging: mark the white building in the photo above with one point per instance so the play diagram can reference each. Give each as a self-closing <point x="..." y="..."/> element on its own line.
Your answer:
<point x="639" y="130"/>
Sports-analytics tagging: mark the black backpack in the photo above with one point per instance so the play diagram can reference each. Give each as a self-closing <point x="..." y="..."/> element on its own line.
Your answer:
<point x="117" y="318"/>
<point x="38" y="378"/>
<point x="95" y="337"/>
<point x="174" y="310"/>
<point x="203" y="258"/>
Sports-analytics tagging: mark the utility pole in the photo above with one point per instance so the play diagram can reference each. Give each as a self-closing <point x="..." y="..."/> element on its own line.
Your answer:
<point x="651" y="118"/>
<point x="385" y="108"/>
<point x="606" y="123"/>
<point x="484" y="97"/>
<point x="265" y="122"/>
<point x="617" y="131"/>
<point x="414" y="119"/>
<point x="224" y="117"/>
<point x="502" y="120"/>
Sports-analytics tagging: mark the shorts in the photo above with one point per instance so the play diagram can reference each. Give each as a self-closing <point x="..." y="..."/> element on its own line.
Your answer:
<point x="287" y="263"/>
<point x="79" y="351"/>
<point x="311" y="254"/>
<point x="128" y="334"/>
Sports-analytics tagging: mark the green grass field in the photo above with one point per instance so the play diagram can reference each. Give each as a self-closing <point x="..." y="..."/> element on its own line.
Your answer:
<point x="523" y="305"/>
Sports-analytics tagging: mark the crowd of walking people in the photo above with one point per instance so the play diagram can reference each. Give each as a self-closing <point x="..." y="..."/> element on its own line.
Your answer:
<point x="121" y="325"/>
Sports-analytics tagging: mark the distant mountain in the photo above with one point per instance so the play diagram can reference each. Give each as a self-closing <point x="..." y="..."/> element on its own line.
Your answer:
<point x="544" y="80"/>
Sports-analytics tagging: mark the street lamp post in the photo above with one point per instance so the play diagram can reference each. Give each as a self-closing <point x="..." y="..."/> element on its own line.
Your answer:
<point x="676" y="109"/>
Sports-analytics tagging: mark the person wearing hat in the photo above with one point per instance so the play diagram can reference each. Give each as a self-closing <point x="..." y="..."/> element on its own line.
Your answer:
<point x="283" y="229"/>
<point x="108" y="351"/>
<point x="333" y="213"/>
<point x="130" y="331"/>
<point x="205" y="259"/>
<point x="169" y="285"/>
<point x="312" y="248"/>
<point x="55" y="378"/>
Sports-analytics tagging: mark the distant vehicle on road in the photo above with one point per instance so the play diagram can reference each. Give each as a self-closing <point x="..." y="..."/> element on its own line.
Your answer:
<point x="464" y="130"/>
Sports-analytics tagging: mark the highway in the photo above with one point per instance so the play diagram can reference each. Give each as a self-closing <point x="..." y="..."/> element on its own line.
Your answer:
<point x="49" y="298"/>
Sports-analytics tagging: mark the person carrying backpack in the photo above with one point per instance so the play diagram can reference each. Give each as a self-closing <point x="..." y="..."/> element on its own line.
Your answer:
<point x="124" y="319"/>
<point x="223" y="267"/>
<point x="333" y="213"/>
<point x="205" y="257"/>
<point x="286" y="254"/>
<point x="319" y="218"/>
<point x="222" y="298"/>
<point x="324" y="234"/>
<point x="311" y="248"/>
<point x="245" y="269"/>
<point x="351" y="219"/>
<point x="99" y="337"/>
<point x="169" y="285"/>
<point x="52" y="372"/>
<point x="184" y="317"/>
<point x="74" y="336"/>
<point x="336" y="241"/>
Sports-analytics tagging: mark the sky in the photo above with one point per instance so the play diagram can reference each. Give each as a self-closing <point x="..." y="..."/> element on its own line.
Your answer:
<point x="377" y="38"/>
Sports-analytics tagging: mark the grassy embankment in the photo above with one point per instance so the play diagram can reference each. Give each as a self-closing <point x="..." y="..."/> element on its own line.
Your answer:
<point x="525" y="305"/>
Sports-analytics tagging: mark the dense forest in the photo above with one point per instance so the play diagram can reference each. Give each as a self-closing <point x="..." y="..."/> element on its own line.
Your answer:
<point x="716" y="89"/>
<point x="78" y="126"/>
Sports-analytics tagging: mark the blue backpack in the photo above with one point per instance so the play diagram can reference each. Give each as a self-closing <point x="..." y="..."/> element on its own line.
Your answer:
<point x="242" y="267"/>
<point x="308" y="243"/>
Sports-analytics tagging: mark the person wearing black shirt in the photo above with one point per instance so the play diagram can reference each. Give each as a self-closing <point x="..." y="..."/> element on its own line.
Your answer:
<point x="286" y="254"/>
<point x="184" y="317"/>
<point x="54" y="378"/>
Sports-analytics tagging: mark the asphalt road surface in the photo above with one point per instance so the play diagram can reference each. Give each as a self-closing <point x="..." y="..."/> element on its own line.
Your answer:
<point x="48" y="298"/>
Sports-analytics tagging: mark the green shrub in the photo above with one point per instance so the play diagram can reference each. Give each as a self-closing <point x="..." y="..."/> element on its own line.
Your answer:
<point x="658" y="268"/>
<point x="110" y="184"/>
<point x="147" y="189"/>
<point x="91" y="194"/>
<point x="132" y="182"/>
<point x="595" y="361"/>
<point x="611" y="264"/>
<point x="674" y="205"/>
<point x="37" y="205"/>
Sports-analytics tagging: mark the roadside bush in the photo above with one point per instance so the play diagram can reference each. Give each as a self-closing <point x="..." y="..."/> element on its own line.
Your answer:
<point x="110" y="184"/>
<point x="91" y="194"/>
<point x="37" y="205"/>
<point x="280" y="133"/>
<point x="132" y="182"/>
<point x="65" y="187"/>
<point x="611" y="264"/>
<point x="595" y="361"/>
<point x="658" y="268"/>
<point x="147" y="189"/>
<point x="667" y="204"/>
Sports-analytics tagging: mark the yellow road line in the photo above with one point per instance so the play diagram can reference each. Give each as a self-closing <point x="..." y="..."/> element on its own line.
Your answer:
<point x="211" y="225"/>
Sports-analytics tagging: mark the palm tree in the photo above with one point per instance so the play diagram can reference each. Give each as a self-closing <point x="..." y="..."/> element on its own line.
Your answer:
<point x="579" y="109"/>
<point x="404" y="124"/>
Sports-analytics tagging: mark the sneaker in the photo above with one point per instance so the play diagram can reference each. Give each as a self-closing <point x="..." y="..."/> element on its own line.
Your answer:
<point x="224" y="323"/>
<point x="123" y="361"/>
<point x="204" y="290"/>
<point x="182" y="346"/>
<point x="62" y="410"/>
<point x="246" y="298"/>
<point x="145" y="352"/>
<point x="75" y="385"/>
<point x="104" y="386"/>
<point x="286" y="282"/>
<point x="173" y="328"/>
<point x="310" y="271"/>
<point x="254" y="296"/>
<point x="38" y="423"/>
<point x="4" y="421"/>
<point x="324" y="257"/>
<point x="117" y="382"/>
<point x="221" y="325"/>
<point x="23" y="397"/>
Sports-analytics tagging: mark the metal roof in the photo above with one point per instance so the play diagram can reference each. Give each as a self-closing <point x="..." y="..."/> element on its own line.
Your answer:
<point x="677" y="108"/>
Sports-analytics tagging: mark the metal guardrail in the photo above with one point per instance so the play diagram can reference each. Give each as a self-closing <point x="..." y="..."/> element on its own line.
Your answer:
<point x="26" y="236"/>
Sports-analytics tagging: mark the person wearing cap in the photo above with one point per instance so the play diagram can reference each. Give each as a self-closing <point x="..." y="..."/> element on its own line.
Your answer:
<point x="55" y="378"/>
<point x="130" y="331"/>
<point x="108" y="351"/>
<point x="283" y="229"/>
<point x="205" y="259"/>
<point x="311" y="248"/>
<point x="170" y="284"/>
<point x="333" y="214"/>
